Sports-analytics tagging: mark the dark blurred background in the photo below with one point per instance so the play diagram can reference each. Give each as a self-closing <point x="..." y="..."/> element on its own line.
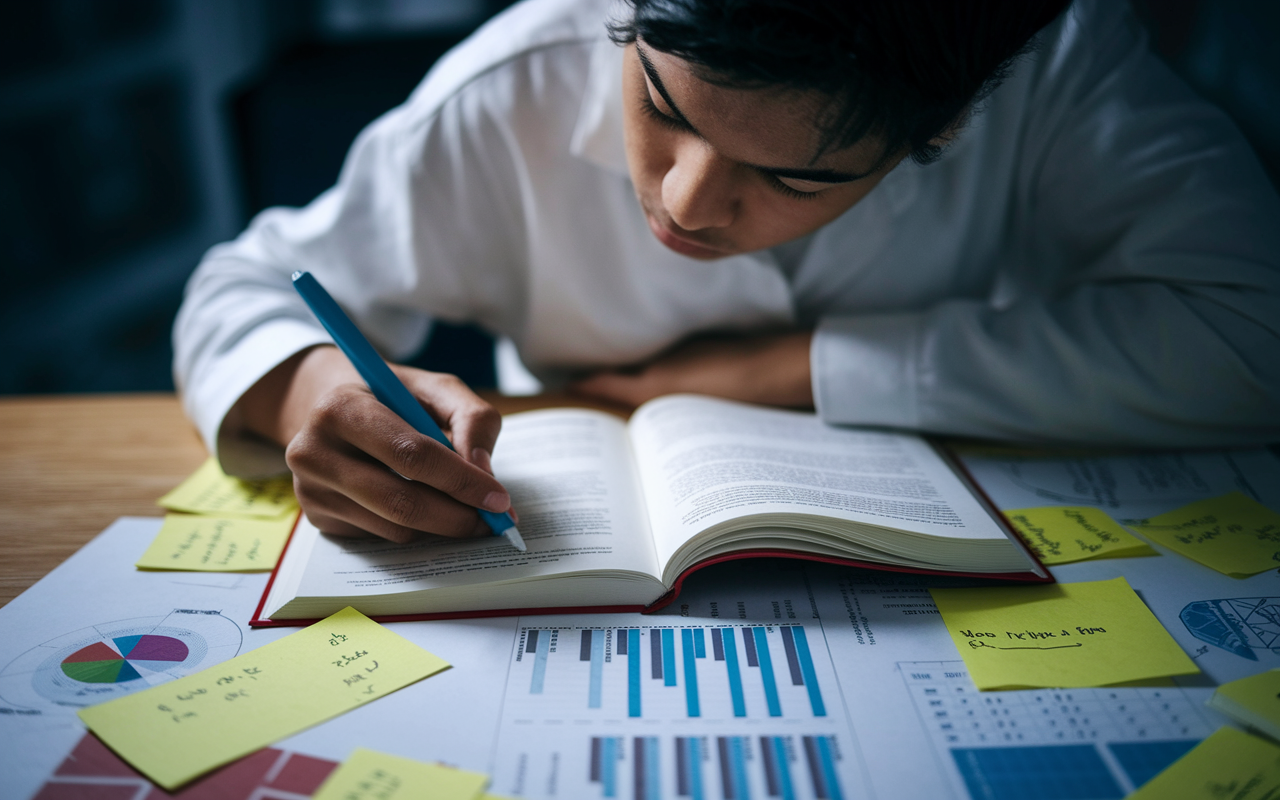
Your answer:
<point x="135" y="134"/>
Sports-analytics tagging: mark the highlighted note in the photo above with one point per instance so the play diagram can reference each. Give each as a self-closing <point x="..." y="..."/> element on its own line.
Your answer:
<point x="1228" y="765"/>
<point x="180" y="730"/>
<point x="369" y="775"/>
<point x="1234" y="534"/>
<point x="1068" y="635"/>
<point x="209" y="490"/>
<point x="214" y="544"/>
<point x="1252" y="701"/>
<point x="1062" y="534"/>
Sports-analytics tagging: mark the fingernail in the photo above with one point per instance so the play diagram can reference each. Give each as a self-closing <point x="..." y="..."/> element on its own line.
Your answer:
<point x="480" y="457"/>
<point x="497" y="502"/>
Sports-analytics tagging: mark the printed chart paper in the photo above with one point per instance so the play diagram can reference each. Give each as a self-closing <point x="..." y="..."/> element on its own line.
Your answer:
<point x="209" y="490"/>
<point x="214" y="544"/>
<point x="1229" y="764"/>
<point x="370" y="775"/>
<point x="1234" y="534"/>
<point x="180" y="730"/>
<point x="1252" y="701"/>
<point x="1068" y="635"/>
<point x="1062" y="534"/>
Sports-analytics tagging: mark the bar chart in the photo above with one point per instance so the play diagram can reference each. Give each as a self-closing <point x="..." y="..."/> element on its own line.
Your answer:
<point x="1100" y="743"/>
<point x="646" y="707"/>
<point x="786" y="767"/>
<point x="668" y="672"/>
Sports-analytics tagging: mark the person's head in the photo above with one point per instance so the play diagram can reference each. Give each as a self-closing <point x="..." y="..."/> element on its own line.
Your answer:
<point x="750" y="123"/>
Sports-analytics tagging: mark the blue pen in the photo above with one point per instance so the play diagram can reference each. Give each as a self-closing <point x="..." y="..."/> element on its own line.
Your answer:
<point x="384" y="384"/>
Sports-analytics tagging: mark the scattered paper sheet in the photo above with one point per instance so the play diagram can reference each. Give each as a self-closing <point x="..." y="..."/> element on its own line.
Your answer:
<point x="215" y="544"/>
<point x="1252" y="701"/>
<point x="209" y="490"/>
<point x="370" y="775"/>
<point x="1229" y="765"/>
<point x="1062" y="534"/>
<point x="180" y="730"/>
<point x="1234" y="534"/>
<point x="1068" y="635"/>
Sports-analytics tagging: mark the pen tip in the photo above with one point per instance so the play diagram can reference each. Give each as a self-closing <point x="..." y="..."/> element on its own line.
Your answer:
<point x="517" y="541"/>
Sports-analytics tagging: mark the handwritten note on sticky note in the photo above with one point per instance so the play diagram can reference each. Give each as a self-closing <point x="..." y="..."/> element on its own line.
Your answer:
<point x="214" y="544"/>
<point x="1062" y="534"/>
<point x="369" y="775"/>
<point x="1229" y="765"/>
<point x="209" y="490"/>
<point x="1068" y="635"/>
<point x="179" y="730"/>
<point x="1252" y="701"/>
<point x="1234" y="534"/>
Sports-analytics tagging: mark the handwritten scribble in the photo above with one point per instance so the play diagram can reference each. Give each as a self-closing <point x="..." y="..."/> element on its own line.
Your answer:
<point x="980" y="644"/>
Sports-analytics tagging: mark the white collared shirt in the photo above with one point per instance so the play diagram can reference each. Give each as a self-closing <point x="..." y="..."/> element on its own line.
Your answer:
<point x="1096" y="257"/>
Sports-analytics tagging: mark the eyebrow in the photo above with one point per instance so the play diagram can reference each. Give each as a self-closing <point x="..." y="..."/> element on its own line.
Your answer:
<point x="799" y="174"/>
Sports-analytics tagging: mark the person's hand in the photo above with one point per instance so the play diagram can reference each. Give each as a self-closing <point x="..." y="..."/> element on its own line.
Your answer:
<point x="770" y="369"/>
<point x="357" y="467"/>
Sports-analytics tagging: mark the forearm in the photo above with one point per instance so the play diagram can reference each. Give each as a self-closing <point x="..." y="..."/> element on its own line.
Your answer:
<point x="1138" y="364"/>
<point x="277" y="406"/>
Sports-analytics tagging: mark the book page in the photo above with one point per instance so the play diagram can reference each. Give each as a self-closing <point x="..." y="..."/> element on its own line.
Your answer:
<point x="573" y="484"/>
<point x="706" y="461"/>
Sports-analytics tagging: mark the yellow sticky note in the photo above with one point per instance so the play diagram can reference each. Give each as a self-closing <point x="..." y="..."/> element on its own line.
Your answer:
<point x="1252" y="701"/>
<point x="213" y="544"/>
<point x="1229" y="765"/>
<point x="1068" y="635"/>
<point x="1062" y="534"/>
<point x="370" y="775"/>
<point x="1234" y="534"/>
<point x="180" y="730"/>
<point x="209" y="490"/>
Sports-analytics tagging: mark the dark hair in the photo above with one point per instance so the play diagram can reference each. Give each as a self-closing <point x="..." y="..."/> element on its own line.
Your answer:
<point x="905" y="71"/>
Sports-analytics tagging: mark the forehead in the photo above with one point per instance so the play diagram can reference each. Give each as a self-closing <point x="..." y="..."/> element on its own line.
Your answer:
<point x="765" y="126"/>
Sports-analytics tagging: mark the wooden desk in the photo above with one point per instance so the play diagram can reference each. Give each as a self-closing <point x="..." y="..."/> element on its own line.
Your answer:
<point x="69" y="465"/>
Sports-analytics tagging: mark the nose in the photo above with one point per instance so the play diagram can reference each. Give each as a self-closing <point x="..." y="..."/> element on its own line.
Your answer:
<point x="698" y="191"/>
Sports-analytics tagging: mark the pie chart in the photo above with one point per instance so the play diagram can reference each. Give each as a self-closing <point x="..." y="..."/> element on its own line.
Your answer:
<point x="111" y="659"/>
<point x="138" y="654"/>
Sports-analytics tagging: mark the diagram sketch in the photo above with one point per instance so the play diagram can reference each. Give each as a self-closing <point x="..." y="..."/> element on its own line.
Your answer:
<point x="1239" y="625"/>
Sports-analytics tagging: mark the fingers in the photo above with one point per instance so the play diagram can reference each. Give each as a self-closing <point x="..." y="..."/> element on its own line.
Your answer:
<point x="372" y="428"/>
<point x="472" y="424"/>
<point x="347" y="456"/>
<point x="334" y="513"/>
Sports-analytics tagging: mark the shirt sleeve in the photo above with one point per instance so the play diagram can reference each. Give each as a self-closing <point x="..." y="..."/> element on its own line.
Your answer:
<point x="399" y="241"/>
<point x="1145" y="307"/>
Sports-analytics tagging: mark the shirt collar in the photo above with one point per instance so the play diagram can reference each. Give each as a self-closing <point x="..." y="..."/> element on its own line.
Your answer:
<point x="597" y="135"/>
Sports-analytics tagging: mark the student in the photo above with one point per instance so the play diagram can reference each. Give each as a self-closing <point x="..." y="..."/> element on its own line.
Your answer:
<point x="878" y="209"/>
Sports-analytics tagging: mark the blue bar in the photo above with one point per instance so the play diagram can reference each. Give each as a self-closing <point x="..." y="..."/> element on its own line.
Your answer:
<point x="735" y="677"/>
<point x="784" y="769"/>
<point x="633" y="672"/>
<point x="829" y="768"/>
<point x="609" y="767"/>
<point x="654" y="782"/>
<point x="597" y="669"/>
<point x="694" y="760"/>
<point x="699" y="643"/>
<point x="690" y="673"/>
<point x="668" y="657"/>
<point x="539" y="670"/>
<point x="738" y="757"/>
<point x="766" y="672"/>
<point x="806" y="668"/>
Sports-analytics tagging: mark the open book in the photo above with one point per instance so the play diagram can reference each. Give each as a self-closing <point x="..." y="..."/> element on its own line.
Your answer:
<point x="617" y="513"/>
